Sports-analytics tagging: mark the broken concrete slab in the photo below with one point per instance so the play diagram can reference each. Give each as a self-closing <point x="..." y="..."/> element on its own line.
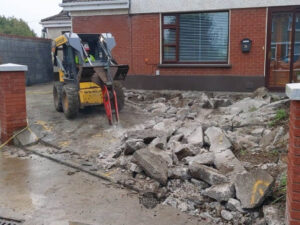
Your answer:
<point x="135" y="168"/>
<point x="224" y="159"/>
<point x="158" y="108"/>
<point x="133" y="145"/>
<point x="196" y="137"/>
<point x="246" y="105"/>
<point x="206" y="158"/>
<point x="217" y="139"/>
<point x="227" y="163"/>
<point x="148" y="135"/>
<point x="25" y="138"/>
<point x="234" y="205"/>
<point x="253" y="187"/>
<point x="272" y="137"/>
<point x="168" y="126"/>
<point x="153" y="165"/>
<point x="160" y="142"/>
<point x="220" y="192"/>
<point x="200" y="184"/>
<point x="184" y="150"/>
<point x="177" y="137"/>
<point x="181" y="173"/>
<point x="166" y="155"/>
<point x="226" y="215"/>
<point x="207" y="174"/>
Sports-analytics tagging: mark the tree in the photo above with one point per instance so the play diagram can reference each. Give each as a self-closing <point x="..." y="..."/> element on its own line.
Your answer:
<point x="14" y="26"/>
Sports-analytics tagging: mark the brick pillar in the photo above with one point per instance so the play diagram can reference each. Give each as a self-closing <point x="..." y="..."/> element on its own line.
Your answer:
<point x="12" y="99"/>
<point x="293" y="179"/>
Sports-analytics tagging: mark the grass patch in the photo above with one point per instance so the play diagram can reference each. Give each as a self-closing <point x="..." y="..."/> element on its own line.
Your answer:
<point x="243" y="152"/>
<point x="281" y="115"/>
<point x="280" y="190"/>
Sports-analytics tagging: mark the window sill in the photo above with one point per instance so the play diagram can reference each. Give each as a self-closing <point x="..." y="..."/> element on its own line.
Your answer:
<point x="194" y="65"/>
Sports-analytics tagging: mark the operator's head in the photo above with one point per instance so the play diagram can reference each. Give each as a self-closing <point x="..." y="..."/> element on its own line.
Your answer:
<point x="87" y="48"/>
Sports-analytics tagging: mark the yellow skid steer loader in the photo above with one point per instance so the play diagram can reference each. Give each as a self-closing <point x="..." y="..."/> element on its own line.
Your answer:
<point x="87" y="74"/>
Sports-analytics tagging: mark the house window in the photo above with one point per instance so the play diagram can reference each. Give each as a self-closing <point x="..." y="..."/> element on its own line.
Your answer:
<point x="195" y="37"/>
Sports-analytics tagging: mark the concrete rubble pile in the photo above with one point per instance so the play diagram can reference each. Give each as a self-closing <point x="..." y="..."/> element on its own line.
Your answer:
<point x="218" y="156"/>
<point x="206" y="154"/>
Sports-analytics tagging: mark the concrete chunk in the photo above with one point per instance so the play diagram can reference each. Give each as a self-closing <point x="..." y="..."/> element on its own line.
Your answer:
<point x="217" y="139"/>
<point x="207" y="174"/>
<point x="25" y="138"/>
<point x="234" y="205"/>
<point x="147" y="135"/>
<point x="253" y="187"/>
<point x="152" y="164"/>
<point x="206" y="158"/>
<point x="184" y="150"/>
<point x="196" y="137"/>
<point x="221" y="192"/>
<point x="133" y="145"/>
<point x="224" y="159"/>
<point x="272" y="215"/>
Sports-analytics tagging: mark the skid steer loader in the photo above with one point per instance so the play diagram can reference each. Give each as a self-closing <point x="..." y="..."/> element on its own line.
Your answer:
<point x="87" y="75"/>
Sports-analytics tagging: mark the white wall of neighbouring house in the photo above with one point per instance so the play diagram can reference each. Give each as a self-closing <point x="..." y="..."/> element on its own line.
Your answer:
<point x="54" y="32"/>
<point x="157" y="6"/>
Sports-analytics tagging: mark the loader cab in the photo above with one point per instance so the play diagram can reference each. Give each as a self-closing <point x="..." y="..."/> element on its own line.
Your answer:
<point x="93" y="41"/>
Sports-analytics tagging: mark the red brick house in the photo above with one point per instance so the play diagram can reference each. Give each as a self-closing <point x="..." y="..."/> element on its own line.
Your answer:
<point x="197" y="45"/>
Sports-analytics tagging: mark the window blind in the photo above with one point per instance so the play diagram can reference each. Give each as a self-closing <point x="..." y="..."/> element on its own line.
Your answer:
<point x="203" y="37"/>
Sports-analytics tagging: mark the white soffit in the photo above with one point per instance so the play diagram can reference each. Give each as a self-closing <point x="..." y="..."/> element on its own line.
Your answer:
<point x="95" y="5"/>
<point x="62" y="23"/>
<point x="161" y="6"/>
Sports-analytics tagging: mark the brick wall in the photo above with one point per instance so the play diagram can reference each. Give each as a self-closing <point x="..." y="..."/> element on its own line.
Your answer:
<point x="293" y="189"/>
<point x="142" y="32"/>
<point x="118" y="25"/>
<point x="12" y="103"/>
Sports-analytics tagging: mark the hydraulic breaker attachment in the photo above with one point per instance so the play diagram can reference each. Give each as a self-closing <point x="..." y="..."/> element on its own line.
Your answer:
<point x="109" y="100"/>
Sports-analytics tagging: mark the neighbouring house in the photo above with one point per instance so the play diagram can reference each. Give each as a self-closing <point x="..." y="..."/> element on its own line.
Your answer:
<point x="199" y="45"/>
<point x="54" y="26"/>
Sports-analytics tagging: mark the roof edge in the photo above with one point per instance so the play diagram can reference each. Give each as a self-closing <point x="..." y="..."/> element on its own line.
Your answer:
<point x="95" y="5"/>
<point x="56" y="23"/>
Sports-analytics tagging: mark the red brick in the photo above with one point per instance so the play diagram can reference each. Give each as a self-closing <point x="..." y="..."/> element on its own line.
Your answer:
<point x="13" y="103"/>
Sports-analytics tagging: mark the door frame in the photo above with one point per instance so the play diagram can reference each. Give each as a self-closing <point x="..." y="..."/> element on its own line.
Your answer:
<point x="271" y="10"/>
